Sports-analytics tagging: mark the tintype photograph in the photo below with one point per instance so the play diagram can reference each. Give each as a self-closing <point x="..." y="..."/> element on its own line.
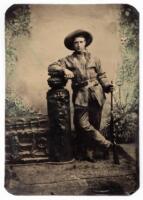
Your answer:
<point x="72" y="99"/>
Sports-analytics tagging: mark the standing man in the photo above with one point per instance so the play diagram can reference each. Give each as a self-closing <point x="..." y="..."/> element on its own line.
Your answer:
<point x="89" y="84"/>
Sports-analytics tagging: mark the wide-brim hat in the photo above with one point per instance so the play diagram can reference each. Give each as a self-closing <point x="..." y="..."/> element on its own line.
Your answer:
<point x="68" y="41"/>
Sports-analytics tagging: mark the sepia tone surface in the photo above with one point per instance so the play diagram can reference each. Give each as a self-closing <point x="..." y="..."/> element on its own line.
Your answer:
<point x="34" y="39"/>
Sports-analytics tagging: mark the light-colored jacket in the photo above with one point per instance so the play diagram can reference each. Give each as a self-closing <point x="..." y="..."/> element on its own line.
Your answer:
<point x="89" y="72"/>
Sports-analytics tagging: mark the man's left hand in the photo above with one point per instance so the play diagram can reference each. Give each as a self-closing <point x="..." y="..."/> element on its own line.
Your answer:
<point x="109" y="88"/>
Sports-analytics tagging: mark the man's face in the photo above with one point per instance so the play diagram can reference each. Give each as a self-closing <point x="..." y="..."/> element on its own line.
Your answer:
<point x="79" y="44"/>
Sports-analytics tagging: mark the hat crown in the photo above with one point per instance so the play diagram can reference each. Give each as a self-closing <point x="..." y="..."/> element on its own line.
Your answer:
<point x="70" y="38"/>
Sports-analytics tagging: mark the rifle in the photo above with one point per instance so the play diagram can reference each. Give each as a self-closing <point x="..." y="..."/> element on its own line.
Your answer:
<point x="115" y="150"/>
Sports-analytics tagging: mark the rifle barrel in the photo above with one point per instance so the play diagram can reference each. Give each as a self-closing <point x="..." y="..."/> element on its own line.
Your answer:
<point x="115" y="151"/>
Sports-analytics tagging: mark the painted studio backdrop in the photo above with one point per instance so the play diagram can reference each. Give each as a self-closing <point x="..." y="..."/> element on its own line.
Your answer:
<point x="34" y="39"/>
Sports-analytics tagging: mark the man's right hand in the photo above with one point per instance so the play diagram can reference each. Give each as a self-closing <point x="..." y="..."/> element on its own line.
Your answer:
<point x="68" y="73"/>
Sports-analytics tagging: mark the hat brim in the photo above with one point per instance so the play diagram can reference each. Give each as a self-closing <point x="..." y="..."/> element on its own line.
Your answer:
<point x="70" y="38"/>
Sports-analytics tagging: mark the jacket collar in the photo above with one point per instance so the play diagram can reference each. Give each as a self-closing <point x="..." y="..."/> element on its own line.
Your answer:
<point x="85" y="53"/>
